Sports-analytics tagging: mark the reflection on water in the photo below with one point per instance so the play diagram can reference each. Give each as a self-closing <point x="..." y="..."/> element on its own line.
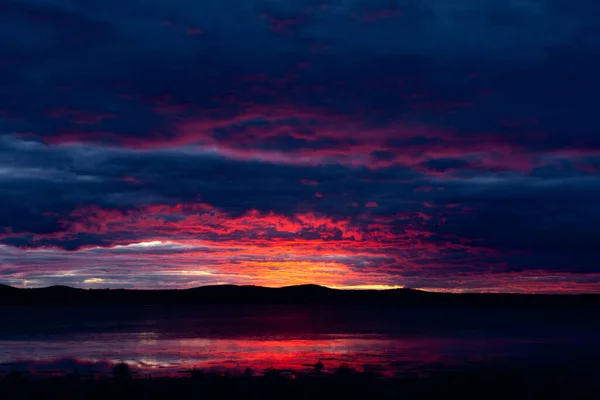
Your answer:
<point x="170" y="341"/>
<point x="149" y="353"/>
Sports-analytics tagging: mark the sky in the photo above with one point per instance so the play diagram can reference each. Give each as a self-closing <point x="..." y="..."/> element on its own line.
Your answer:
<point x="432" y="144"/>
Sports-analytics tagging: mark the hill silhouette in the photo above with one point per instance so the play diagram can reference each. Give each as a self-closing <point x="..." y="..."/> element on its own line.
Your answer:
<point x="303" y="294"/>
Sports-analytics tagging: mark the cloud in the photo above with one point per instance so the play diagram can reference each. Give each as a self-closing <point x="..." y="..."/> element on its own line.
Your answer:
<point x="417" y="143"/>
<point x="445" y="164"/>
<point x="193" y="206"/>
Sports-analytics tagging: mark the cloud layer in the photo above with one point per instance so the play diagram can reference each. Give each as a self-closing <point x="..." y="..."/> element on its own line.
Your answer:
<point x="347" y="143"/>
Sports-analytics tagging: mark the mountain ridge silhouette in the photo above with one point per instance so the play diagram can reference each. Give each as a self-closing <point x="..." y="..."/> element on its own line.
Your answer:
<point x="310" y="294"/>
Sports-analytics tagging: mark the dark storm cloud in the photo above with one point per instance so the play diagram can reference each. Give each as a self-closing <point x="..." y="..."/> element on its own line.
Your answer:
<point x="445" y="164"/>
<point x="537" y="222"/>
<point x="502" y="69"/>
<point x="449" y="138"/>
<point x="56" y="180"/>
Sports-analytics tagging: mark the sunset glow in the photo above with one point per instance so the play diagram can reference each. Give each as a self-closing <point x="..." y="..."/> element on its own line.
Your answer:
<point x="350" y="144"/>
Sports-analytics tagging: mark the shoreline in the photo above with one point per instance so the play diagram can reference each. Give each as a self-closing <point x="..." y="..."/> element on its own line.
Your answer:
<point x="310" y="295"/>
<point x="345" y="382"/>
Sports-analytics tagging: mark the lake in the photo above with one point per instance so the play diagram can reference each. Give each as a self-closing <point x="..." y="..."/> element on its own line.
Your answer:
<point x="170" y="340"/>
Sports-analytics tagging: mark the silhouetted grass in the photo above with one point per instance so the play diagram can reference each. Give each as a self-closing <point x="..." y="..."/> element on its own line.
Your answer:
<point x="346" y="383"/>
<point x="121" y="372"/>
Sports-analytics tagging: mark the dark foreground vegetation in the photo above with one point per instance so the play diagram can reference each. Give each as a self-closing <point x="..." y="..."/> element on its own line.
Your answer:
<point x="303" y="294"/>
<point x="477" y="383"/>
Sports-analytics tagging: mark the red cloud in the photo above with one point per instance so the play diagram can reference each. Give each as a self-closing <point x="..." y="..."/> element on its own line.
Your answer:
<point x="265" y="248"/>
<point x="191" y="244"/>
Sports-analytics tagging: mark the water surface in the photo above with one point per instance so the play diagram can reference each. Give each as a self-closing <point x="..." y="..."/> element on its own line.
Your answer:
<point x="402" y="340"/>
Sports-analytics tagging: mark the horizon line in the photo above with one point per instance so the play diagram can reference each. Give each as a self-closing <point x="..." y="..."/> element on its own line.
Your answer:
<point x="341" y="289"/>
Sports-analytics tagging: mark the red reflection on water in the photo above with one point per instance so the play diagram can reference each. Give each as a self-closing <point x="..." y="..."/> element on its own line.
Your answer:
<point x="150" y="354"/>
<point x="389" y="356"/>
